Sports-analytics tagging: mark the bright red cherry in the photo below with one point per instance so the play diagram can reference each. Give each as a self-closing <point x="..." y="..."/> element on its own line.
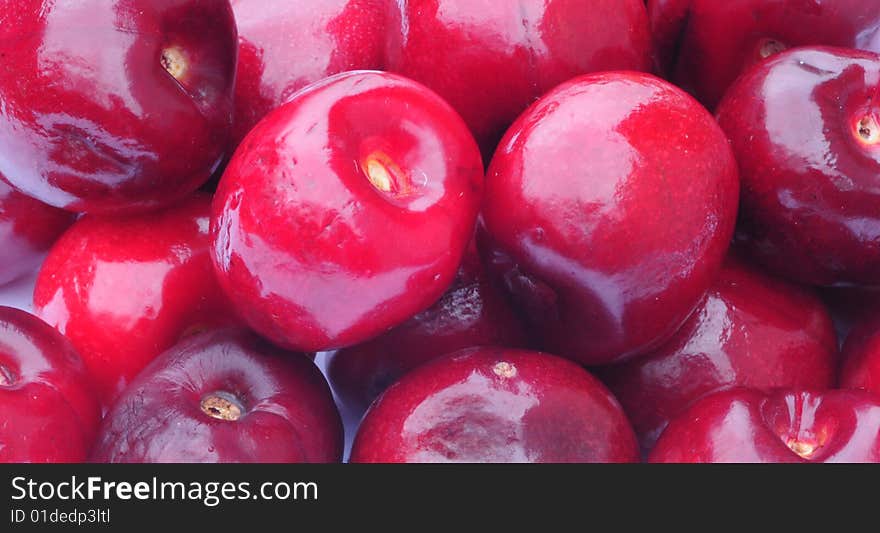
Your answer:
<point x="224" y="397"/>
<point x="124" y="289"/>
<point x="861" y="356"/>
<point x="50" y="410"/>
<point x="496" y="405"/>
<point x="805" y="128"/>
<point x="114" y="105"/>
<point x="284" y="45"/>
<point x="783" y="426"/>
<point x="346" y="211"/>
<point x="473" y="312"/>
<point x="609" y="208"/>
<point x="27" y="230"/>
<point x="705" y="44"/>
<point x="751" y="330"/>
<point x="491" y="59"/>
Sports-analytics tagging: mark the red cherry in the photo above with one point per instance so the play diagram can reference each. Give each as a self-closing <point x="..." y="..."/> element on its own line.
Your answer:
<point x="805" y="128"/>
<point x="783" y="426"/>
<point x="50" y="412"/>
<point x="609" y="208"/>
<point x="27" y="230"/>
<point x="284" y="46"/>
<point x="114" y="105"/>
<point x="751" y="331"/>
<point x="224" y="396"/>
<point x="496" y="405"/>
<point x="705" y="44"/>
<point x="490" y="60"/>
<point x="124" y="289"/>
<point x="471" y="313"/>
<point x="346" y="211"/>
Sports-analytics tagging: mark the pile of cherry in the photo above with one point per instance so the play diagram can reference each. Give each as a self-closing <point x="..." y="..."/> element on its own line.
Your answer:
<point x="532" y="230"/>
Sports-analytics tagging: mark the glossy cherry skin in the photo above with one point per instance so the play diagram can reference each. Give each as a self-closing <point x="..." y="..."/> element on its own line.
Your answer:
<point x="609" y="208"/>
<point x="284" y="45"/>
<point x="783" y="426"/>
<point x="492" y="59"/>
<point x="861" y="356"/>
<point x="28" y="228"/>
<point x="346" y="211"/>
<point x="125" y="289"/>
<point x="496" y="405"/>
<point x="805" y="128"/>
<point x="704" y="45"/>
<point x="751" y="330"/>
<point x="114" y="105"/>
<point x="224" y="397"/>
<point x="50" y="410"/>
<point x="473" y="312"/>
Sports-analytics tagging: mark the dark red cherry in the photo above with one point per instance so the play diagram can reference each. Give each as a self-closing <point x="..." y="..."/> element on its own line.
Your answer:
<point x="224" y="397"/>
<point x="805" y="128"/>
<point x="114" y="105"/>
<point x="496" y="405"/>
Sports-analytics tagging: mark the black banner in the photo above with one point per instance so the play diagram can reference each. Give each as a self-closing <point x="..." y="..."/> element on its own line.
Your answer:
<point x="257" y="498"/>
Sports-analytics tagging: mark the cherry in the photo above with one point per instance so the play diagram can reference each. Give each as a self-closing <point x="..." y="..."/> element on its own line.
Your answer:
<point x="782" y="426"/>
<point x="803" y="126"/>
<point x="346" y="211"/>
<point x="114" y="105"/>
<point x="496" y="405"/>
<point x="609" y="208"/>
<point x="50" y="411"/>
<point x="223" y="396"/>
<point x="126" y="288"/>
